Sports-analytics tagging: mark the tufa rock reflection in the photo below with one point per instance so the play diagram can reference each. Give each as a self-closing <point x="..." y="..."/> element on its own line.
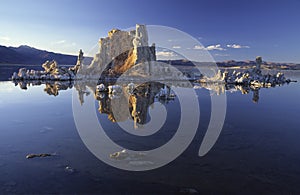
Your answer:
<point x="51" y="87"/>
<point x="132" y="100"/>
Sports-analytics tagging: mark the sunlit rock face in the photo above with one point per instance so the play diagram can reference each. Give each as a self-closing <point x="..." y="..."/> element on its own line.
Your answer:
<point x="119" y="52"/>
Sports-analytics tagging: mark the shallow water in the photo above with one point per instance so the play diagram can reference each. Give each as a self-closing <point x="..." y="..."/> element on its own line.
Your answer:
<point x="257" y="151"/>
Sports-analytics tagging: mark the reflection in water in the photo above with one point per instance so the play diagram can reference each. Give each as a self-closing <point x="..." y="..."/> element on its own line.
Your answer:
<point x="132" y="101"/>
<point x="271" y="150"/>
<point x="51" y="87"/>
<point x="218" y="89"/>
<point x="137" y="101"/>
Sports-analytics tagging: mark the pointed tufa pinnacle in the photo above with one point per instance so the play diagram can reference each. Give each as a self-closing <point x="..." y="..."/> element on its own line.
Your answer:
<point x="258" y="62"/>
<point x="80" y="58"/>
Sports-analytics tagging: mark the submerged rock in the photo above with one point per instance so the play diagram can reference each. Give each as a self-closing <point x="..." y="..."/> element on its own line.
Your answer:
<point x="37" y="155"/>
<point x="69" y="169"/>
<point x="130" y="156"/>
<point x="120" y="155"/>
<point x="188" y="191"/>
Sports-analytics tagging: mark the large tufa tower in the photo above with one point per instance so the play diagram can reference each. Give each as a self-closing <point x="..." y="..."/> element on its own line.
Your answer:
<point x="120" y="51"/>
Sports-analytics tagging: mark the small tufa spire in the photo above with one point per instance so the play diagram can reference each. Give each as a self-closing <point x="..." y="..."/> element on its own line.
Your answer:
<point x="258" y="62"/>
<point x="80" y="58"/>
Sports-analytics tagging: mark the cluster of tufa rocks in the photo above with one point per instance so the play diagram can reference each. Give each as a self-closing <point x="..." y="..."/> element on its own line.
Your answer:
<point x="249" y="77"/>
<point x="51" y="71"/>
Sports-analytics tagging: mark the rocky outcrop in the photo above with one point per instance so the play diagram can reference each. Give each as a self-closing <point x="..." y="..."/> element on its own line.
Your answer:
<point x="51" y="71"/>
<point x="120" y="51"/>
<point x="249" y="77"/>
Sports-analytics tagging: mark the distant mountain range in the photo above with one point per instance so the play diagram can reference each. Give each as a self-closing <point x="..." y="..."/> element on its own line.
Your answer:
<point x="32" y="56"/>
<point x="237" y="64"/>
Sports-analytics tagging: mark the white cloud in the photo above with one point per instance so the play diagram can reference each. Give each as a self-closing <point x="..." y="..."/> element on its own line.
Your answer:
<point x="166" y="54"/>
<point x="210" y="47"/>
<point x="215" y="47"/>
<point x="199" y="47"/>
<point x="68" y="45"/>
<point x="4" y="38"/>
<point x="176" y="47"/>
<point x="237" y="46"/>
<point x="221" y="55"/>
<point x="59" y="42"/>
<point x="63" y="44"/>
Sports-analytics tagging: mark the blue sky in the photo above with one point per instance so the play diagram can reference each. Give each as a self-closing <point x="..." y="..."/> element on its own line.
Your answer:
<point x="228" y="29"/>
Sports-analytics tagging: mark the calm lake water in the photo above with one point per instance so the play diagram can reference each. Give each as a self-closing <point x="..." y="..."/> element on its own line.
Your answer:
<point x="257" y="151"/>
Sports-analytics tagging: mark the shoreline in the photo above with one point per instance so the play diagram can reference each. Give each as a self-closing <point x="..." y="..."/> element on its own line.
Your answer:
<point x="182" y="66"/>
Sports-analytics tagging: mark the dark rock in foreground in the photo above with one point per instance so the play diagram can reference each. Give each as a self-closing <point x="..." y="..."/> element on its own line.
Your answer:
<point x="37" y="155"/>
